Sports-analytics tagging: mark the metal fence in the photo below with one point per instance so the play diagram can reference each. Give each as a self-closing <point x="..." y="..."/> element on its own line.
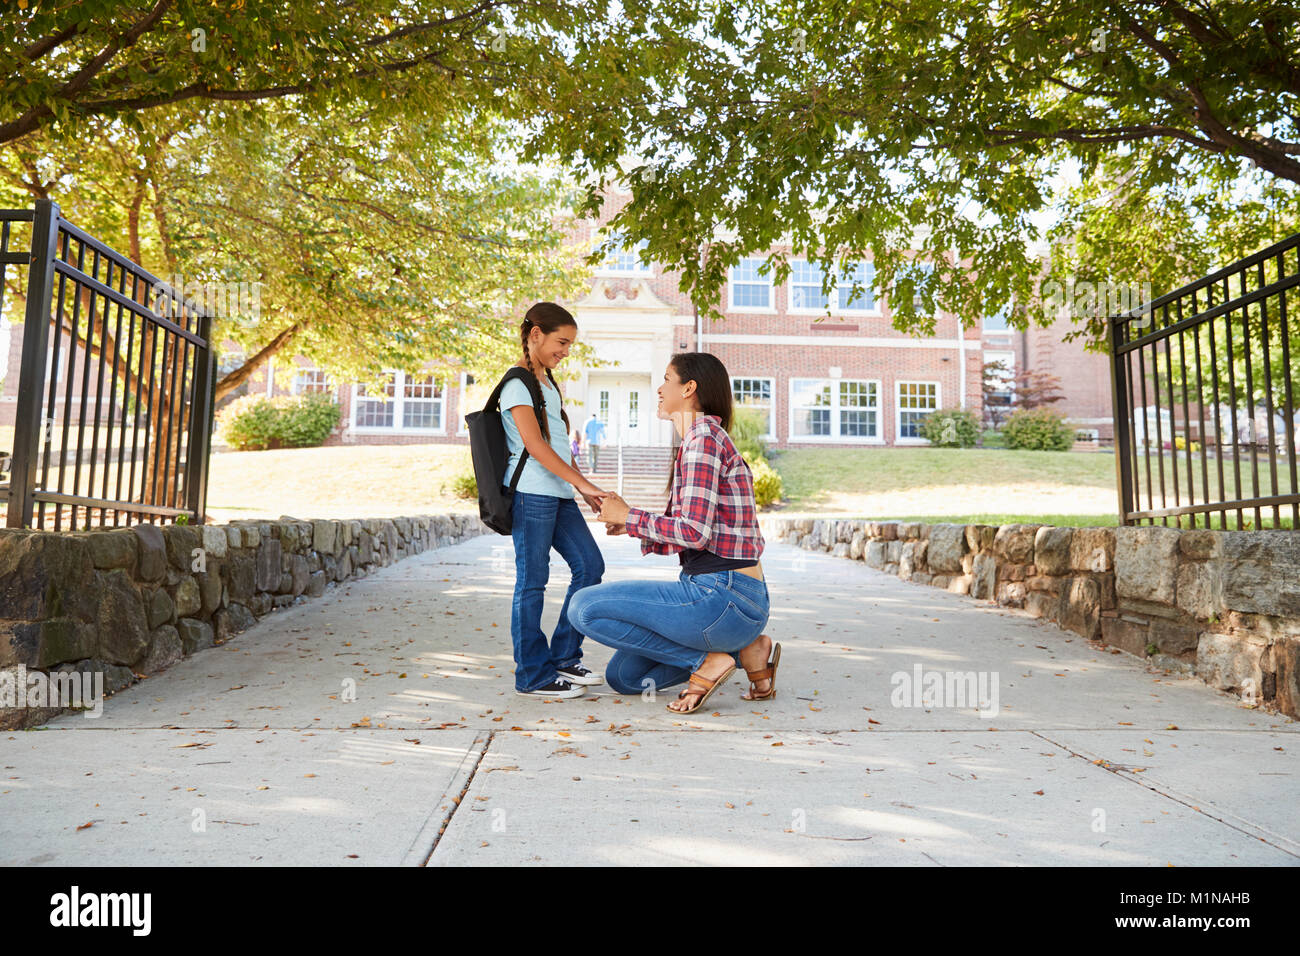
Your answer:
<point x="115" y="398"/>
<point x="1204" y="390"/>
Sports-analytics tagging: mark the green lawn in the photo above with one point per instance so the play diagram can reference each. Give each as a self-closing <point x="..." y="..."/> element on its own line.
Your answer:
<point x="344" y="481"/>
<point x="978" y="485"/>
<point x="947" y="483"/>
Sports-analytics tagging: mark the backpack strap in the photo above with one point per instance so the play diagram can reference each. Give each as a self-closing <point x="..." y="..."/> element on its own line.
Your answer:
<point x="494" y="404"/>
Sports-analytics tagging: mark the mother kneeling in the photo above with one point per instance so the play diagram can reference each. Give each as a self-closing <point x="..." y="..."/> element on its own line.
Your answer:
<point x="697" y="627"/>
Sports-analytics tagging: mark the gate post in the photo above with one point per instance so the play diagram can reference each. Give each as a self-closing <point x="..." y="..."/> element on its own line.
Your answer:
<point x="36" y="336"/>
<point x="1119" y="406"/>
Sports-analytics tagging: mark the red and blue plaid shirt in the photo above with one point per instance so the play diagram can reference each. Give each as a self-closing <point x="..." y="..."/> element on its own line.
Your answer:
<point x="712" y="505"/>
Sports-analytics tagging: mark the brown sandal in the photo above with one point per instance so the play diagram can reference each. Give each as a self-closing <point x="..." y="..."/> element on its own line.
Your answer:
<point x="767" y="673"/>
<point x="707" y="687"/>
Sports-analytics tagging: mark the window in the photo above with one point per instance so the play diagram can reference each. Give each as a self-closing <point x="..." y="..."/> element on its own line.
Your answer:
<point x="806" y="288"/>
<point x="603" y="414"/>
<point x="834" y="410"/>
<point x="749" y="291"/>
<point x="422" y="403"/>
<point x="755" y="393"/>
<point x="916" y="400"/>
<point x="376" y="411"/>
<point x="405" y="403"/>
<point x="472" y="398"/>
<point x="921" y="274"/>
<point x="633" y="409"/>
<point x="998" y="322"/>
<point x="627" y="262"/>
<point x="1000" y="382"/>
<point x="311" y="380"/>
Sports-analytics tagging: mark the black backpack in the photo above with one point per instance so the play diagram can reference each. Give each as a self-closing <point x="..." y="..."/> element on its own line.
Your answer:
<point x="487" y="446"/>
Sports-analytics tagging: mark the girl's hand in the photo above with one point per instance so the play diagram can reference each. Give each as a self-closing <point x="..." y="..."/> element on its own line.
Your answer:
<point x="614" y="510"/>
<point x="592" y="495"/>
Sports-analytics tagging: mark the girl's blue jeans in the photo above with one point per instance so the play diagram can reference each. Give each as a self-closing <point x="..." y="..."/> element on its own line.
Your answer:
<point x="662" y="631"/>
<point x="538" y="524"/>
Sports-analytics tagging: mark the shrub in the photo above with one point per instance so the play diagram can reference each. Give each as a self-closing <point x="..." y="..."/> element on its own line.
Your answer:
<point x="1038" y="429"/>
<point x="249" y="423"/>
<point x="767" y="483"/>
<point x="465" y="485"/>
<point x="746" y="427"/>
<point x="254" y="422"/>
<point x="308" y="419"/>
<point x="951" y="428"/>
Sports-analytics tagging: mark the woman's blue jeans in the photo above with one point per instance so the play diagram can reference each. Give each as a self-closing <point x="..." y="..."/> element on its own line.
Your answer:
<point x="662" y="631"/>
<point x="540" y="523"/>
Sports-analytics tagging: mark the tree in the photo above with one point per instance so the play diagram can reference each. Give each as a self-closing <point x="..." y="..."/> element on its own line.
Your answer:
<point x="62" y="65"/>
<point x="998" y="386"/>
<point x="932" y="130"/>
<point x="1034" y="389"/>
<point x="370" y="242"/>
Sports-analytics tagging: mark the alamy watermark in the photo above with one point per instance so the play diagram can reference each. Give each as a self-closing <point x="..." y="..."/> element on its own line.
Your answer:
<point x="239" y="301"/>
<point x="20" y="689"/>
<point x="1082" y="299"/>
<point x="921" y="688"/>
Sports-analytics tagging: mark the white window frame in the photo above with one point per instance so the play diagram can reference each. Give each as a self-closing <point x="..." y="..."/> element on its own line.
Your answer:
<point x="771" y="391"/>
<point x="330" y="385"/>
<point x="770" y="309"/>
<point x="637" y="268"/>
<point x="898" y="409"/>
<point x="857" y="309"/>
<point x="835" y="438"/>
<point x="460" y="404"/>
<point x="399" y="402"/>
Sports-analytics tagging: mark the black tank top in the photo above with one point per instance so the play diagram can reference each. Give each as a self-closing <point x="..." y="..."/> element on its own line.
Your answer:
<point x="698" y="561"/>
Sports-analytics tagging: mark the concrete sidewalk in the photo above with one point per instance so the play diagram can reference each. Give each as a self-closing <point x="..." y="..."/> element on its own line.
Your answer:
<point x="251" y="753"/>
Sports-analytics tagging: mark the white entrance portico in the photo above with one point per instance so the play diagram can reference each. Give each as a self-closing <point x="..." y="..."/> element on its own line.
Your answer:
<point x="633" y="335"/>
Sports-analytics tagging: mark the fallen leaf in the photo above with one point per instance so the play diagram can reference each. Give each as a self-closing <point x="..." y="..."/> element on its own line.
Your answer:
<point x="84" y="825"/>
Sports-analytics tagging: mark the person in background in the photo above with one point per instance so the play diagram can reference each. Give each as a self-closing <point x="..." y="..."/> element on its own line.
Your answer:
<point x="575" y="444"/>
<point x="595" y="433"/>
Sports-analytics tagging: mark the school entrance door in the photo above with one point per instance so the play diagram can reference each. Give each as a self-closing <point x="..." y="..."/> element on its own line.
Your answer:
<point x="626" y="404"/>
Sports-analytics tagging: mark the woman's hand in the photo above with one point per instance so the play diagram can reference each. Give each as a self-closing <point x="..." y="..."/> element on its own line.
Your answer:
<point x="615" y="529"/>
<point x="614" y="510"/>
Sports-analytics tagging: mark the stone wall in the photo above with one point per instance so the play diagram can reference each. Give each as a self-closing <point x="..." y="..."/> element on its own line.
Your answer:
<point x="132" y="601"/>
<point x="1221" y="605"/>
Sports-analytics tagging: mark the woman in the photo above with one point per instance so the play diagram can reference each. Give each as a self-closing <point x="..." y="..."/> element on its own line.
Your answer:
<point x="696" y="628"/>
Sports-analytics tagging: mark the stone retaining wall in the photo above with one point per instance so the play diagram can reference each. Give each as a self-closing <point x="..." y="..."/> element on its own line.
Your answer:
<point x="132" y="601"/>
<point x="1222" y="605"/>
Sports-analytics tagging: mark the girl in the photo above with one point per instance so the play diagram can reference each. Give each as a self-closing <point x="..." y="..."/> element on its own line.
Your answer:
<point x="664" y="634"/>
<point x="544" y="514"/>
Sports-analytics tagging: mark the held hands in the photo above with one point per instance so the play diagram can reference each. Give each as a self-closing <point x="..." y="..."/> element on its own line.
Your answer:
<point x="593" y="496"/>
<point x="613" y="511"/>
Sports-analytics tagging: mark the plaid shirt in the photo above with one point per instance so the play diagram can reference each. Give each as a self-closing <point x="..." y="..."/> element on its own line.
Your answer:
<point x="712" y="506"/>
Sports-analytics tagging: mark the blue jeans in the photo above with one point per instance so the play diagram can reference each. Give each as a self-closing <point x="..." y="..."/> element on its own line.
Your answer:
<point x="662" y="631"/>
<point x="540" y="523"/>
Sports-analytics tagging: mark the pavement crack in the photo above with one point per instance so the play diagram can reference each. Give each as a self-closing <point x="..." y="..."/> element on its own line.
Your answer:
<point x="1125" y="773"/>
<point x="460" y="798"/>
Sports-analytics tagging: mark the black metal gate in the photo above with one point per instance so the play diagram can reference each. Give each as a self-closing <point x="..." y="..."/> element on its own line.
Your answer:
<point x="1204" y="388"/>
<point x="115" y="400"/>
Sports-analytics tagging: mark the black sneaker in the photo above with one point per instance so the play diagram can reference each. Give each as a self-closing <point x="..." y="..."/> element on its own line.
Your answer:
<point x="577" y="674"/>
<point x="560" y="689"/>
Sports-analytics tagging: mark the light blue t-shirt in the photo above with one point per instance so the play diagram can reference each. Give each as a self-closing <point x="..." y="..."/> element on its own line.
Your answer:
<point x="535" y="480"/>
<point x="595" y="432"/>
